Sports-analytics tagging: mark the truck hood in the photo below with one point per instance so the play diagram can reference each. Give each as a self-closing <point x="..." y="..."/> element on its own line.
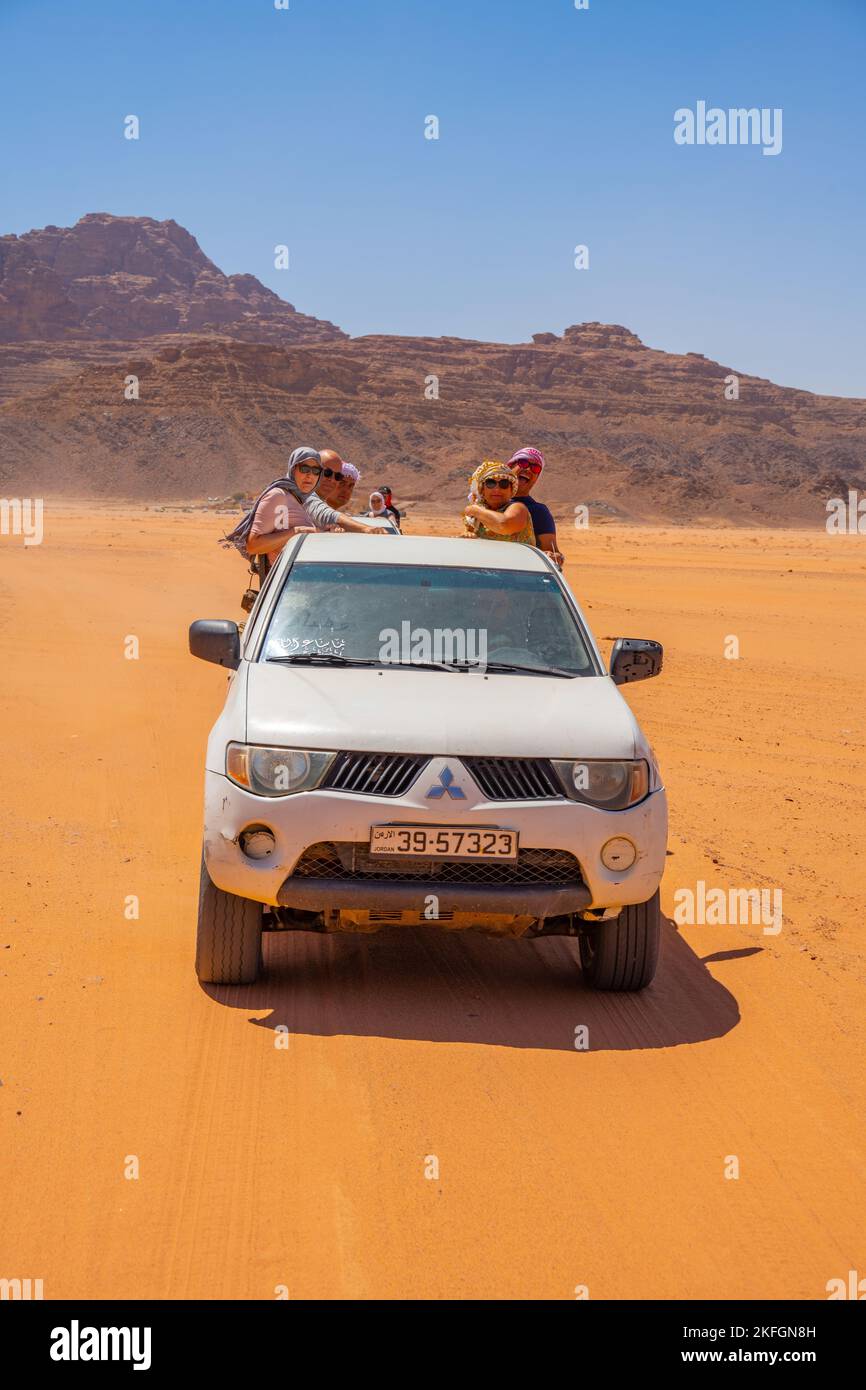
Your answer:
<point x="438" y="712"/>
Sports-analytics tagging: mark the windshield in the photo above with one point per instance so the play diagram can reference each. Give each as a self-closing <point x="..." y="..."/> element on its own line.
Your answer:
<point x="426" y="615"/>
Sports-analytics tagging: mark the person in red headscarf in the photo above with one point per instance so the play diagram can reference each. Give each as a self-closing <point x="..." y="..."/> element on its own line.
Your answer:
<point x="528" y="464"/>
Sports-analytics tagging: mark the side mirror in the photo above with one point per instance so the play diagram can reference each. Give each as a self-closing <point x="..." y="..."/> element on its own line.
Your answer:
<point x="635" y="659"/>
<point x="216" y="639"/>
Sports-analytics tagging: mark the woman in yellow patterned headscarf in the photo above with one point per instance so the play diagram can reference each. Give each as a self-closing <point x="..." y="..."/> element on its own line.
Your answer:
<point x="493" y="513"/>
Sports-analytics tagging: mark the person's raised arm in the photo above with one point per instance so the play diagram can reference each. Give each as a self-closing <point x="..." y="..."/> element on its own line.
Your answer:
<point x="545" y="533"/>
<point x="514" y="518"/>
<point x="271" y="541"/>
<point x="270" y="529"/>
<point x="348" y="523"/>
<point x="547" y="542"/>
<point x="327" y="519"/>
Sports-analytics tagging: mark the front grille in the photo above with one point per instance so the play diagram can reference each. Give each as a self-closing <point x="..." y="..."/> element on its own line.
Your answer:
<point x="392" y="774"/>
<point x="352" y="861"/>
<point x="374" y="774"/>
<point x="514" y="779"/>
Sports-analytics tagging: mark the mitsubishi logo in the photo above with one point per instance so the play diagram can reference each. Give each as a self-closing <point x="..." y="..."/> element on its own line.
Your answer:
<point x="446" y="785"/>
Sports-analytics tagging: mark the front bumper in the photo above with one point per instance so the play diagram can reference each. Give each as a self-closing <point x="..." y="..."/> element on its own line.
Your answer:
<point x="319" y="894"/>
<point x="308" y="818"/>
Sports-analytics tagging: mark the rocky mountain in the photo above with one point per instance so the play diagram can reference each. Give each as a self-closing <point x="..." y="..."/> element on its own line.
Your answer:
<point x="627" y="430"/>
<point x="132" y="277"/>
<point x="228" y="378"/>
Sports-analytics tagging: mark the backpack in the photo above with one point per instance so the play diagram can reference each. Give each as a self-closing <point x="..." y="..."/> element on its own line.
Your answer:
<point x="238" y="536"/>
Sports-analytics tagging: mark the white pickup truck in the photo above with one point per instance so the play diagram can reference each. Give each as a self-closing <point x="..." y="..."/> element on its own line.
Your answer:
<point x="423" y="732"/>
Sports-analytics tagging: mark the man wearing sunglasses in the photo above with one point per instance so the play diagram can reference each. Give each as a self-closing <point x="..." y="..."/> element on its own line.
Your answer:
<point x="338" y="480"/>
<point x="528" y="464"/>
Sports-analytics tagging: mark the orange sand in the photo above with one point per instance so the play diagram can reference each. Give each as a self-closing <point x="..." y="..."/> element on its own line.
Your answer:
<point x="305" y="1167"/>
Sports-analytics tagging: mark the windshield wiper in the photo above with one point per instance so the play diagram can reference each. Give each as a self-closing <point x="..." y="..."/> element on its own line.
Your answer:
<point x="333" y="659"/>
<point x="483" y="666"/>
<point x="430" y="665"/>
<point x="529" y="670"/>
<point x="326" y="658"/>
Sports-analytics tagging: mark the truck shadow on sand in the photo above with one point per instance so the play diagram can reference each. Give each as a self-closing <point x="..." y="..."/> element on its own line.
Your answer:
<point x="430" y="985"/>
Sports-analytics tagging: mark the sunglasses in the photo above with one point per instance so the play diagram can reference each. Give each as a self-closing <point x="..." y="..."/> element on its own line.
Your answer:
<point x="499" y="482"/>
<point x="329" y="473"/>
<point x="310" y="469"/>
<point x="531" y="467"/>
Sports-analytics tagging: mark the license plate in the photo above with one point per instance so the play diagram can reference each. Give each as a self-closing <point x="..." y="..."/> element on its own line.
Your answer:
<point x="444" y="841"/>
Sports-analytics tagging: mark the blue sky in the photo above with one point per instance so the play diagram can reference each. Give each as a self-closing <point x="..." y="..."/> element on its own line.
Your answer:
<point x="306" y="127"/>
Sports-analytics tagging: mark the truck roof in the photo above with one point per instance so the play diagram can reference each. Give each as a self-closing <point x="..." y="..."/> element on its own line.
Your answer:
<point x="349" y="548"/>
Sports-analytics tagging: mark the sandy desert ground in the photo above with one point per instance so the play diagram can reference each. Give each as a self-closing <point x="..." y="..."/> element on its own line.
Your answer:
<point x="305" y="1167"/>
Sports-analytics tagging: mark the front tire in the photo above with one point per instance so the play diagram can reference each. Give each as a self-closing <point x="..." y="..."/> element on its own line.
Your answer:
<point x="622" y="954"/>
<point x="229" y="938"/>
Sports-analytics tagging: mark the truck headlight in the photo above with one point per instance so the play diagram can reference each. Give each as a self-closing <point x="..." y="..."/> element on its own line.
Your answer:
<point x="276" y="771"/>
<point x="609" y="785"/>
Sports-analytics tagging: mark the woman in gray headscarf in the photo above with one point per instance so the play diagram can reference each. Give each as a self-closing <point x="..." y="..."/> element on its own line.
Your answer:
<point x="289" y="505"/>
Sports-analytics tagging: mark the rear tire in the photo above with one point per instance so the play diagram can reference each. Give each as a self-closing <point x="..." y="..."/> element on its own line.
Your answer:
<point x="229" y="939"/>
<point x="622" y="954"/>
